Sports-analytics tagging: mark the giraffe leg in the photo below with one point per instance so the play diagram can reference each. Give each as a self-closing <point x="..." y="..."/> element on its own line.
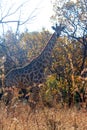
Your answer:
<point x="34" y="96"/>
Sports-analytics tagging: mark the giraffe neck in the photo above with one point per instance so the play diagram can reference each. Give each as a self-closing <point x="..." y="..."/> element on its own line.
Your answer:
<point x="51" y="43"/>
<point x="46" y="53"/>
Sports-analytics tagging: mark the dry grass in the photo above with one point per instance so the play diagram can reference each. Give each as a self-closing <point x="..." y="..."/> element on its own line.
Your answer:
<point x="20" y="116"/>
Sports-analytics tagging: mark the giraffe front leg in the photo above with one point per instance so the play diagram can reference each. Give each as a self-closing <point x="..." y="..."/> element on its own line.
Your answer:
<point x="34" y="95"/>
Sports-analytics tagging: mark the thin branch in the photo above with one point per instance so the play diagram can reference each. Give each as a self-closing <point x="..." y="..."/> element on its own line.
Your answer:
<point x="21" y="23"/>
<point x="12" y="21"/>
<point x="8" y="12"/>
<point x="72" y="36"/>
<point x="31" y="16"/>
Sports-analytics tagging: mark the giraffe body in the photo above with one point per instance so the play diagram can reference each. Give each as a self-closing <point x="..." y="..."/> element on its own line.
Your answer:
<point x="8" y="64"/>
<point x="33" y="72"/>
<point x="25" y="76"/>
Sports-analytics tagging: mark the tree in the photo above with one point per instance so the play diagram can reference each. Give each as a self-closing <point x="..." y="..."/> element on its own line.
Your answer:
<point x="74" y="16"/>
<point x="12" y="15"/>
<point x="66" y="62"/>
<point x="19" y="52"/>
<point x="11" y="20"/>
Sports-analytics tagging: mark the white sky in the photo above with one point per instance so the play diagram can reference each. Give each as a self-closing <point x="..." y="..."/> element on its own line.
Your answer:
<point x="43" y="15"/>
<point x="43" y="12"/>
<point x="42" y="9"/>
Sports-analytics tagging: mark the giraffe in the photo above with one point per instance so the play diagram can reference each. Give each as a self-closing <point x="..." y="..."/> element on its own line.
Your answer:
<point x="33" y="73"/>
<point x="8" y="64"/>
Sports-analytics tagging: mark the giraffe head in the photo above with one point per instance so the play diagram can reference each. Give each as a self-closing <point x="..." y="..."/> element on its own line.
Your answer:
<point x="58" y="29"/>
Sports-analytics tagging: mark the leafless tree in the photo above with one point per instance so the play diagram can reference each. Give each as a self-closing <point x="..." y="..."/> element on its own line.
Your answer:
<point x="14" y="16"/>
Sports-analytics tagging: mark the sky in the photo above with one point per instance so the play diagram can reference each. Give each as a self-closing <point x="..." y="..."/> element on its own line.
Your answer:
<point x="39" y="12"/>
<point x="43" y="16"/>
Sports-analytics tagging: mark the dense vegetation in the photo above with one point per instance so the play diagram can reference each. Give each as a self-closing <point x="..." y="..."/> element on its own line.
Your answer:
<point x="64" y="90"/>
<point x="62" y="75"/>
<point x="69" y="56"/>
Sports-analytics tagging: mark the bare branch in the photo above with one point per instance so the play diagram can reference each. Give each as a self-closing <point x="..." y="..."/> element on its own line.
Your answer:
<point x="9" y="13"/>
<point x="12" y="21"/>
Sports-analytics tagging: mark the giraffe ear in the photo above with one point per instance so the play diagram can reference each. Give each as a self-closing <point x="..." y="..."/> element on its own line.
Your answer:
<point x="53" y="28"/>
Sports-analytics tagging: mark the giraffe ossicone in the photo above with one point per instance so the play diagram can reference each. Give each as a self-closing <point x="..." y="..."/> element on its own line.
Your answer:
<point x="33" y="73"/>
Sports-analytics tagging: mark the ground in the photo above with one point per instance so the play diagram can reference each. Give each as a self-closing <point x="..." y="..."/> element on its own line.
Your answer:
<point x="20" y="116"/>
